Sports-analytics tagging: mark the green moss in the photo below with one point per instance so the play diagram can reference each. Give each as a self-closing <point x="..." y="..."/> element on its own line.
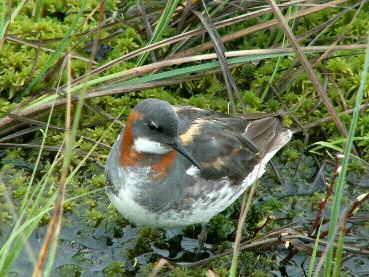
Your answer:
<point x="221" y="226"/>
<point x="98" y="181"/>
<point x="69" y="270"/>
<point x="357" y="167"/>
<point x="5" y="107"/>
<point x="19" y="63"/>
<point x="69" y="207"/>
<point x="45" y="220"/>
<point x="273" y="105"/>
<point x="252" y="100"/>
<point x="128" y="42"/>
<point x="315" y="200"/>
<point x="250" y="264"/>
<point x="144" y="240"/>
<point x="287" y="121"/>
<point x="272" y="205"/>
<point x="94" y="217"/>
<point x="51" y="7"/>
<point x="114" y="269"/>
<point x="291" y="154"/>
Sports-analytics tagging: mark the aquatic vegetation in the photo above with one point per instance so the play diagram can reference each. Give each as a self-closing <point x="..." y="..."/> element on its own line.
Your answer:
<point x="288" y="193"/>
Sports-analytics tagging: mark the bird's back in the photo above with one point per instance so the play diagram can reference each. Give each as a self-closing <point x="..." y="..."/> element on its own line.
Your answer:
<point x="227" y="146"/>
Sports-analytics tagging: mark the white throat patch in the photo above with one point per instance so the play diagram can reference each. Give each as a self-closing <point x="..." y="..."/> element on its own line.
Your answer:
<point x="146" y="145"/>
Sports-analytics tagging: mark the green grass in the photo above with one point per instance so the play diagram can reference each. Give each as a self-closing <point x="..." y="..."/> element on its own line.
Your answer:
<point x="5" y="23"/>
<point x="336" y="145"/>
<point x="315" y="251"/>
<point x="254" y="74"/>
<point x="161" y="27"/>
<point x="58" y="52"/>
<point x="169" y="74"/>
<point x="30" y="212"/>
<point x="341" y="181"/>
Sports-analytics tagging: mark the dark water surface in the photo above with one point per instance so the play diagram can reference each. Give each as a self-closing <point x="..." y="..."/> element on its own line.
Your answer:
<point x="112" y="246"/>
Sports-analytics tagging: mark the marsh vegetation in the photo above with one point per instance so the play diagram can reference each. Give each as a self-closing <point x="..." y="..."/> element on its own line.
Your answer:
<point x="71" y="71"/>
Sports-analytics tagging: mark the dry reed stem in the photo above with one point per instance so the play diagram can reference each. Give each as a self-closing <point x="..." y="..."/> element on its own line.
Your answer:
<point x="308" y="68"/>
<point x="15" y="39"/>
<point x="54" y="227"/>
<point x="258" y="27"/>
<point x="7" y="120"/>
<point x="273" y="239"/>
<point x="4" y="122"/>
<point x="221" y="24"/>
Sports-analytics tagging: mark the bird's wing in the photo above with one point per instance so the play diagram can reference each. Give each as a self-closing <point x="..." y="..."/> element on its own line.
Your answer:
<point x="225" y="145"/>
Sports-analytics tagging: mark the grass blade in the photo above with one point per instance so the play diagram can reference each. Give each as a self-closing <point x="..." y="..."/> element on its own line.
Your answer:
<point x="315" y="251"/>
<point x="56" y="55"/>
<point x="160" y="28"/>
<point x="38" y="9"/>
<point x="5" y="24"/>
<point x="339" y="188"/>
<point x="308" y="68"/>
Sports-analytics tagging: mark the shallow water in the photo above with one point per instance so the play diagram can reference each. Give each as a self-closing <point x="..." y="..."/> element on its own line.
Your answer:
<point x="113" y="247"/>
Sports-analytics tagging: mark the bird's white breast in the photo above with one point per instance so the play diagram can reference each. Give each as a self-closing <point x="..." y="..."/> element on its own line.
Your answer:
<point x="130" y="188"/>
<point x="202" y="209"/>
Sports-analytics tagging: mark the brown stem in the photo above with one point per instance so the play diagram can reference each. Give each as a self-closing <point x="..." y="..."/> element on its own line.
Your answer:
<point x="308" y="67"/>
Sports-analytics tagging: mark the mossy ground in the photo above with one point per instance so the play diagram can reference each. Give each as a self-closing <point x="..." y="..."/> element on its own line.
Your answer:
<point x="95" y="238"/>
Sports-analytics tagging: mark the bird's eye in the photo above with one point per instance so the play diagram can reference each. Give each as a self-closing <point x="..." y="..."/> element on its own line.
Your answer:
<point x="152" y="126"/>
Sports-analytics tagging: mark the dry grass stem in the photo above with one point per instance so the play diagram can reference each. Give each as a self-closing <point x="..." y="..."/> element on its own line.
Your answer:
<point x="309" y="68"/>
<point x="256" y="28"/>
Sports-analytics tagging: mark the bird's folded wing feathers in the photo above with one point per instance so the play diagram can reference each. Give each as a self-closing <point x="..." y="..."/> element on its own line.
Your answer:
<point x="221" y="143"/>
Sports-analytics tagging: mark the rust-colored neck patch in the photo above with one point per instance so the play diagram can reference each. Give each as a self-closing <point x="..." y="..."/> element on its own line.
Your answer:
<point x="128" y="156"/>
<point x="163" y="166"/>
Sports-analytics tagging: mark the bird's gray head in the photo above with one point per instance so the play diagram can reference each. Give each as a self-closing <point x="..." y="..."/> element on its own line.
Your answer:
<point x="155" y="129"/>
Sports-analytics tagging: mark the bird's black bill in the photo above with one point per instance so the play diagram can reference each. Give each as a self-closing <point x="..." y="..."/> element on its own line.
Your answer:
<point x="179" y="148"/>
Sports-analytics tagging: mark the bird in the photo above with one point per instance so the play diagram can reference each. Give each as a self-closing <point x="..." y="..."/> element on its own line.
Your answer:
<point x="174" y="166"/>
